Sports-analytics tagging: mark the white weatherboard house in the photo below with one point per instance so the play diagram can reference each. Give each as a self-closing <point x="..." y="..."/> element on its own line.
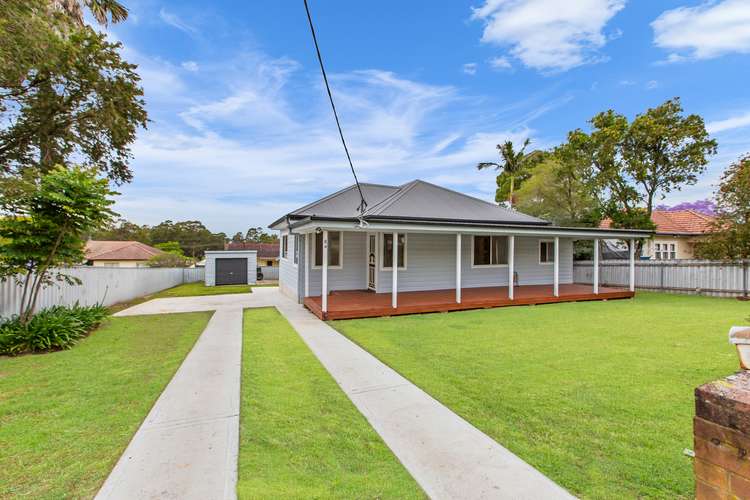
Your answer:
<point x="453" y="252"/>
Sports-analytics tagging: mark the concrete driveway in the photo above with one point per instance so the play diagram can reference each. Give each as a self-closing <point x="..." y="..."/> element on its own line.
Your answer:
<point x="187" y="446"/>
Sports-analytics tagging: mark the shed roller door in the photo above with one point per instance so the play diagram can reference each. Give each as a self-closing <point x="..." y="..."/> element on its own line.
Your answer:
<point x="231" y="271"/>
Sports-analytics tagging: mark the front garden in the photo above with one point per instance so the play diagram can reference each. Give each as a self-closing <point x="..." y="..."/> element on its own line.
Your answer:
<point x="300" y="436"/>
<point x="67" y="416"/>
<point x="596" y="395"/>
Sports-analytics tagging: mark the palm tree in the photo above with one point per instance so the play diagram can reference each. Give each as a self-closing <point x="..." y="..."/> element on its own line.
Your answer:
<point x="103" y="11"/>
<point x="513" y="163"/>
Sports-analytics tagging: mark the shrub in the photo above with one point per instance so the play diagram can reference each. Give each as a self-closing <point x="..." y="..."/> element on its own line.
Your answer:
<point x="50" y="329"/>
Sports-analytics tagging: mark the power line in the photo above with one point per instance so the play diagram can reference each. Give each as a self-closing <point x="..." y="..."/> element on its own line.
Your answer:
<point x="363" y="204"/>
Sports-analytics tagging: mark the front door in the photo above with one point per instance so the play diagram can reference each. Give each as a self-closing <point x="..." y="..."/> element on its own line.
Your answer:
<point x="372" y="251"/>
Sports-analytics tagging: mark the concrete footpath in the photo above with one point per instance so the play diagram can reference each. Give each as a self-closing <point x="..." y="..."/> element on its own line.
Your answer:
<point x="181" y="452"/>
<point x="187" y="446"/>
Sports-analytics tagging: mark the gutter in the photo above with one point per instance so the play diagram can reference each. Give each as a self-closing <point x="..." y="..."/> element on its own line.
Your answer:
<point x="635" y="232"/>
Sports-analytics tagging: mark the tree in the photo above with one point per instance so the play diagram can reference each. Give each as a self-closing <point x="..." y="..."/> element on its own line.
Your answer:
<point x="628" y="166"/>
<point x="103" y="11"/>
<point x="194" y="238"/>
<point x="172" y="247"/>
<point x="122" y="230"/>
<point x="170" y="260"/>
<point x="556" y="191"/>
<point x="513" y="166"/>
<point x="238" y="238"/>
<point x="664" y="150"/>
<point x="731" y="237"/>
<point x="46" y="226"/>
<point x="258" y="235"/>
<point x="65" y="94"/>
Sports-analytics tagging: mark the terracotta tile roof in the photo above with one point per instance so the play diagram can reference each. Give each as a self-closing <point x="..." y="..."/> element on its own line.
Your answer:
<point x="119" y="250"/>
<point x="265" y="250"/>
<point x="677" y="221"/>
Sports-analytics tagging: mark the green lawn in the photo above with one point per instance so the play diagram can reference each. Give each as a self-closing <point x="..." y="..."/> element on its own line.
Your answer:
<point x="66" y="417"/>
<point x="198" y="288"/>
<point x="300" y="436"/>
<point x="597" y="395"/>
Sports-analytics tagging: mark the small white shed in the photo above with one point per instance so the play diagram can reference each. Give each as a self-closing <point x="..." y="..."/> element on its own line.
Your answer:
<point x="231" y="267"/>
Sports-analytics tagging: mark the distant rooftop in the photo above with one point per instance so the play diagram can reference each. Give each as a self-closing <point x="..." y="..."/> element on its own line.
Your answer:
<point x="119" y="250"/>
<point x="677" y="222"/>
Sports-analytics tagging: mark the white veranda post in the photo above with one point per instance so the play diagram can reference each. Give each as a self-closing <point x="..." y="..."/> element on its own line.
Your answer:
<point x="632" y="265"/>
<point x="596" y="266"/>
<point x="324" y="284"/>
<point x="511" y="263"/>
<point x="556" y="287"/>
<point x="307" y="264"/>
<point x="458" y="268"/>
<point x="394" y="267"/>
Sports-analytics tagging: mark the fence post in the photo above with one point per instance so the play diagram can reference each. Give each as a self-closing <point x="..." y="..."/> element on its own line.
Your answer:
<point x="744" y="279"/>
<point x="661" y="275"/>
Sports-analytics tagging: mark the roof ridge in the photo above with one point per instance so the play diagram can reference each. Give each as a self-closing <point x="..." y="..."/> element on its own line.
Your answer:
<point x="337" y="193"/>
<point x="391" y="199"/>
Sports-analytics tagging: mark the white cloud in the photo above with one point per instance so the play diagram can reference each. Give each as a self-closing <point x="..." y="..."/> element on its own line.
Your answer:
<point x="500" y="63"/>
<point x="652" y="84"/>
<point x="626" y="83"/>
<point x="250" y="137"/>
<point x="548" y="35"/>
<point x="734" y="122"/>
<point x="703" y="32"/>
<point x="190" y="66"/>
<point x="176" y="22"/>
<point x="470" y="68"/>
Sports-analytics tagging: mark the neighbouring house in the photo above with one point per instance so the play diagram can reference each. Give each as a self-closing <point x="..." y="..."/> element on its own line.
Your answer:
<point x="677" y="232"/>
<point x="119" y="253"/>
<point x="451" y="251"/>
<point x="268" y="253"/>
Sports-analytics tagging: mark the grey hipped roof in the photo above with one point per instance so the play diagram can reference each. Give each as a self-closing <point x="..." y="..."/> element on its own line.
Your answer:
<point x="416" y="200"/>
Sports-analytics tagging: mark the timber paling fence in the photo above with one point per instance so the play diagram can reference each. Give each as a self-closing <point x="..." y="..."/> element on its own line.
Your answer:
<point x="700" y="277"/>
<point x="100" y="285"/>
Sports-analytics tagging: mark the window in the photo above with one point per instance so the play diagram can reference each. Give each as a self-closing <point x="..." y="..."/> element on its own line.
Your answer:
<point x="284" y="246"/>
<point x="546" y="252"/>
<point x="665" y="251"/>
<point x="490" y="251"/>
<point x="387" y="259"/>
<point x="296" y="248"/>
<point x="334" y="249"/>
<point x="269" y="263"/>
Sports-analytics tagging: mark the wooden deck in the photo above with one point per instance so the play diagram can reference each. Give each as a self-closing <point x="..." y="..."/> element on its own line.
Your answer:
<point x="366" y="304"/>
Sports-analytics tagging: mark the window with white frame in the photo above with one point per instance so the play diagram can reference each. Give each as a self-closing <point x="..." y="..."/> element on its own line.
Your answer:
<point x="335" y="249"/>
<point x="546" y="251"/>
<point x="489" y="251"/>
<point x="387" y="251"/>
<point x="665" y="251"/>
<point x="284" y="246"/>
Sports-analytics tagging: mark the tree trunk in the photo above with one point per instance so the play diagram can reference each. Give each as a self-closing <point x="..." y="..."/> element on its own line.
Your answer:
<point x="510" y="195"/>
<point x="37" y="286"/>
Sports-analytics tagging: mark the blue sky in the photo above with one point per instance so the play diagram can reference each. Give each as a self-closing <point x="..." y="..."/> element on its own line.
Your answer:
<point x="241" y="130"/>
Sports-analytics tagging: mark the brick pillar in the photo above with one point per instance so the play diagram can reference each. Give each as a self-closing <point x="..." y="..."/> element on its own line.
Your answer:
<point x="721" y="433"/>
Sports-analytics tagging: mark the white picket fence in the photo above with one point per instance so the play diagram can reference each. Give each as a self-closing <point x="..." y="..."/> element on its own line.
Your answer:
<point x="703" y="277"/>
<point x="101" y="285"/>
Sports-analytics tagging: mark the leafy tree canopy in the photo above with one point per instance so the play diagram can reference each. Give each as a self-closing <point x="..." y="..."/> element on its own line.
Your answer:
<point x="172" y="247"/>
<point x="46" y="225"/>
<point x="65" y="94"/>
<point x="731" y="239"/>
<point x="258" y="235"/>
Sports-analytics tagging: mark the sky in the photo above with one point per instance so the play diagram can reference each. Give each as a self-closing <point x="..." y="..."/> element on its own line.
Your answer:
<point x="241" y="131"/>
